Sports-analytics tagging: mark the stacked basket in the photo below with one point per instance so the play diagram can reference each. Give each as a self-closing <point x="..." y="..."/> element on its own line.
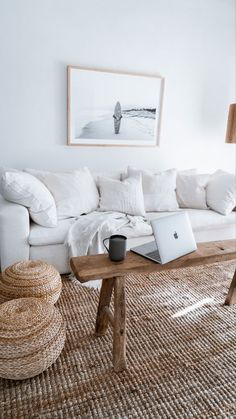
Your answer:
<point x="32" y="330"/>
<point x="30" y="279"/>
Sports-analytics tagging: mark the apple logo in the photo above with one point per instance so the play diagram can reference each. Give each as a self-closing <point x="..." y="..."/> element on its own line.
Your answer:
<point x="176" y="235"/>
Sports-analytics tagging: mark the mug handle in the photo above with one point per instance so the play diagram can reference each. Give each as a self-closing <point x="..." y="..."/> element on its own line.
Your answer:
<point x="105" y="245"/>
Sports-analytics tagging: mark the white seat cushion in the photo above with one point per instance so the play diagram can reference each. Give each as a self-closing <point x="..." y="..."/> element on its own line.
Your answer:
<point x="41" y="236"/>
<point x="201" y="219"/>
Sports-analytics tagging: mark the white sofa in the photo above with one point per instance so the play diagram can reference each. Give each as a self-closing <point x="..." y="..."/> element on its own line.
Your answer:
<point x="22" y="239"/>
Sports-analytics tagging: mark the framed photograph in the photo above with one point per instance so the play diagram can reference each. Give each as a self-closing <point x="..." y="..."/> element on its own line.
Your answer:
<point x="108" y="108"/>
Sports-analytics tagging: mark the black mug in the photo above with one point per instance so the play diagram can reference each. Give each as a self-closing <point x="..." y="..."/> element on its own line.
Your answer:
<point x="117" y="247"/>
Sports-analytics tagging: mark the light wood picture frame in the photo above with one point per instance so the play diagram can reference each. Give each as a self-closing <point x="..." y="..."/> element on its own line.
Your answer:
<point x="109" y="108"/>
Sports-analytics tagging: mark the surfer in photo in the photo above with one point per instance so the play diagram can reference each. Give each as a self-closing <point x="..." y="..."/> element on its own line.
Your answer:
<point x="117" y="117"/>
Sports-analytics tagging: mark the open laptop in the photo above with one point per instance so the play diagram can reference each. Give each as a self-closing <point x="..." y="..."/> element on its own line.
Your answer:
<point x="173" y="238"/>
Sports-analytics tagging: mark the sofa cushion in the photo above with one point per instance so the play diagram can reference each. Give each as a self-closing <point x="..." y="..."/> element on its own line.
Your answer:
<point x="75" y="193"/>
<point x="158" y="189"/>
<point x="221" y="192"/>
<point x="191" y="190"/>
<point x="124" y="175"/>
<point x="202" y="219"/>
<point x="123" y="196"/>
<point x="41" y="236"/>
<point x="24" y="189"/>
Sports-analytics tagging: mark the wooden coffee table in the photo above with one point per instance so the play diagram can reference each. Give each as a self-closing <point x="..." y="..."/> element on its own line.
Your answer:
<point x="87" y="268"/>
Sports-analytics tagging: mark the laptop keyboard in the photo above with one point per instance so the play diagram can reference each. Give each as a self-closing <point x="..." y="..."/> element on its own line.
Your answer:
<point x="154" y="255"/>
<point x="148" y="250"/>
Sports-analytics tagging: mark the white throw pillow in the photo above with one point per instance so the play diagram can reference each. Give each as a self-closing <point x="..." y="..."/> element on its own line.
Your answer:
<point x="122" y="196"/>
<point x="124" y="175"/>
<point x="221" y="192"/>
<point x="187" y="172"/>
<point x="75" y="193"/>
<point x="158" y="189"/>
<point x="191" y="190"/>
<point x="24" y="189"/>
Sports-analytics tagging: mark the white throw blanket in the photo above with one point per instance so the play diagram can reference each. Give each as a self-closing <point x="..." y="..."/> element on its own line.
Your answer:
<point x="86" y="235"/>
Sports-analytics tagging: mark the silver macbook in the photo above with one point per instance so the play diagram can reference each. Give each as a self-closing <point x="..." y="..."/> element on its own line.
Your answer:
<point x="173" y="238"/>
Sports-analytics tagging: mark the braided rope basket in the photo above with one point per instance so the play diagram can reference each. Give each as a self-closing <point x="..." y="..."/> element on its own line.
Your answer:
<point x="30" y="279"/>
<point x="32" y="335"/>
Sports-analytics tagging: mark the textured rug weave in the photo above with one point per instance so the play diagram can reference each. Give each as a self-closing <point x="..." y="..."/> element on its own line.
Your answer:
<point x="181" y="354"/>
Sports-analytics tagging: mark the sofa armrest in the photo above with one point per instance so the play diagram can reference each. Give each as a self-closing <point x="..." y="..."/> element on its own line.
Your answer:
<point x="14" y="233"/>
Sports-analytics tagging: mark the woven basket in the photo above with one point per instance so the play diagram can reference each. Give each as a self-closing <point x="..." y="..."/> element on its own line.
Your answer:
<point x="30" y="279"/>
<point x="32" y="335"/>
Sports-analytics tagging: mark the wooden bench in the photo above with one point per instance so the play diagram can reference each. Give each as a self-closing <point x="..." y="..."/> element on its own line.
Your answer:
<point x="87" y="268"/>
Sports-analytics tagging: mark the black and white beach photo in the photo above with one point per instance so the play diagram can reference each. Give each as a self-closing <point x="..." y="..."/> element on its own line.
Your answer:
<point x="108" y="108"/>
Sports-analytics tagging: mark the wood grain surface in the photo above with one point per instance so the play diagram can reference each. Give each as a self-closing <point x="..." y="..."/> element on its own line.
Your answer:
<point x="87" y="268"/>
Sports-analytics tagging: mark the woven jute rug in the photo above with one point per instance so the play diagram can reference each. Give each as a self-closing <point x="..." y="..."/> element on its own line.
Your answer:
<point x="181" y="354"/>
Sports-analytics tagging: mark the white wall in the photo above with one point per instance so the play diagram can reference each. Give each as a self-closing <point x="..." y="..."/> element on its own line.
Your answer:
<point x="190" y="42"/>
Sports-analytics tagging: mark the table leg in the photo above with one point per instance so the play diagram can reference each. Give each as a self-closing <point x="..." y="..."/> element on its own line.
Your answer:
<point x="231" y="297"/>
<point x="119" y="328"/>
<point x="104" y="301"/>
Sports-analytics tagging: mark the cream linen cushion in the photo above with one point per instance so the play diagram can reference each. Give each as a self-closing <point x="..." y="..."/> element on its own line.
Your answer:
<point x="221" y="192"/>
<point x="75" y="193"/>
<point x="24" y="189"/>
<point x="123" y="196"/>
<point x="191" y="190"/>
<point x="158" y="189"/>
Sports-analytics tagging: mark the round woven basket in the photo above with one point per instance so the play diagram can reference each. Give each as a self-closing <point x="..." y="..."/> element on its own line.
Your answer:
<point x="30" y="279"/>
<point x="32" y="335"/>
